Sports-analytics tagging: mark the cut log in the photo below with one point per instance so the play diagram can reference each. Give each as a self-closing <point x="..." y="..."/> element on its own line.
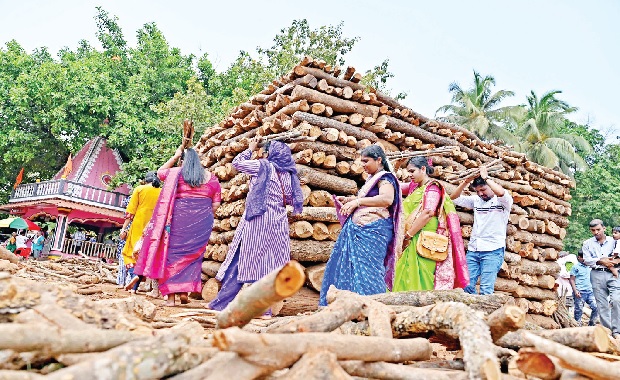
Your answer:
<point x="319" y="365"/>
<point x="304" y="157"/>
<point x="341" y="153"/>
<point x="542" y="321"/>
<point x="537" y="268"/>
<point x="220" y="366"/>
<point x="301" y="229"/>
<point x="334" y="231"/>
<point x="320" y="231"/>
<point x="561" y="221"/>
<point x="356" y="119"/>
<point x="330" y="135"/>
<point x="504" y="320"/>
<point x="343" y="167"/>
<point x="506" y="285"/>
<point x="337" y="104"/>
<point x="314" y="276"/>
<point x="392" y="371"/>
<point x="305" y="190"/>
<point x="5" y="254"/>
<point x="317" y="108"/>
<point x="475" y="338"/>
<point x="539" y="365"/>
<point x="486" y="303"/>
<point x="281" y="350"/>
<point x="320" y="198"/>
<point x="330" y="162"/>
<point x="326" y="123"/>
<point x="532" y="292"/>
<point x="316" y="214"/>
<point x="304" y="301"/>
<point x="586" y="339"/>
<point x="260" y="296"/>
<point x="576" y="360"/>
<point x="326" y="181"/>
<point x="210" y="289"/>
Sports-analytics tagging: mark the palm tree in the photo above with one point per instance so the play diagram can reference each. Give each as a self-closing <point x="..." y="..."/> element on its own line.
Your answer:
<point x="477" y="109"/>
<point x="541" y="138"/>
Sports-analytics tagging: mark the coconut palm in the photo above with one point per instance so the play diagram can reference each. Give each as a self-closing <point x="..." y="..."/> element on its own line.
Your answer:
<point x="541" y="138"/>
<point x="477" y="109"/>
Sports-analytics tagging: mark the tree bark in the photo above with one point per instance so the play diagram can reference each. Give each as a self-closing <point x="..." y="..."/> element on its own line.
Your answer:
<point x="304" y="301"/>
<point x="5" y="254"/>
<point x="342" y="153"/>
<point x="576" y="360"/>
<point x="261" y="295"/>
<point x="486" y="303"/>
<point x="535" y="268"/>
<point x="391" y="371"/>
<point x="210" y="268"/>
<point x="337" y="104"/>
<point x="319" y="365"/>
<point x="315" y="214"/>
<point x="309" y="250"/>
<point x="220" y="366"/>
<point x="539" y="240"/>
<point x="326" y="181"/>
<point x="282" y="350"/>
<point x="586" y="339"/>
<point x="560" y="220"/>
<point x="474" y="334"/>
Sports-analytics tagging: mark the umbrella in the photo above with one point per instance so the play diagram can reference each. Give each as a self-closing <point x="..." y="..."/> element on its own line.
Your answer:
<point x="23" y="224"/>
<point x="5" y="223"/>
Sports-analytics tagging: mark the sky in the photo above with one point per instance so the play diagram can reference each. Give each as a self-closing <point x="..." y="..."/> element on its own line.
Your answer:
<point x="540" y="45"/>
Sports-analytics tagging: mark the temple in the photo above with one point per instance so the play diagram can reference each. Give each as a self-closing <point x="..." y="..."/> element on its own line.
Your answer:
<point x="78" y="198"/>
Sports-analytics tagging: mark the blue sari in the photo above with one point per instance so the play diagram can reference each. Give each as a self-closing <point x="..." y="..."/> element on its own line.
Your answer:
<point x="363" y="257"/>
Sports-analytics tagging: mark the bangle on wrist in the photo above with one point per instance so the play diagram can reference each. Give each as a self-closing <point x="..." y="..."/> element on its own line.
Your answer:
<point x="358" y="202"/>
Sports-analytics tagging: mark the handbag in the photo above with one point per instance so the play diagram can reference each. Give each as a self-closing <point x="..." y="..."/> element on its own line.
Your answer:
<point x="432" y="245"/>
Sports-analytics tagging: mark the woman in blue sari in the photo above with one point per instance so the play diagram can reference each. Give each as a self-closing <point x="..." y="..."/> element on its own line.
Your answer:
<point x="364" y="255"/>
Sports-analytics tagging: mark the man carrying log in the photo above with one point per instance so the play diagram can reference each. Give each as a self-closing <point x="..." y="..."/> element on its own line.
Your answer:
<point x="597" y="252"/>
<point x="485" y="252"/>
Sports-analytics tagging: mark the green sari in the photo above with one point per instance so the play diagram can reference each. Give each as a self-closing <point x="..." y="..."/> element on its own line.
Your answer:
<point x="414" y="272"/>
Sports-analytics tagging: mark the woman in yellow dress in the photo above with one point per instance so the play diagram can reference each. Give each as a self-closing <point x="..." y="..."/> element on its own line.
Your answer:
<point x="138" y="213"/>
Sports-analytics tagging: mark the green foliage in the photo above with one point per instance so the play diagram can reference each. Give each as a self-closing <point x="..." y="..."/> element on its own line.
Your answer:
<point x="477" y="109"/>
<point x="596" y="196"/>
<point x="542" y="137"/>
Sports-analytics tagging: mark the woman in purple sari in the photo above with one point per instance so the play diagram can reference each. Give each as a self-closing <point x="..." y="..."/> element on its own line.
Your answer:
<point x="174" y="241"/>
<point x="261" y="243"/>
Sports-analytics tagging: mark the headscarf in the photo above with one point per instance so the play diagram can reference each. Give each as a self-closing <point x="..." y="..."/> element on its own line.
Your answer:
<point x="280" y="157"/>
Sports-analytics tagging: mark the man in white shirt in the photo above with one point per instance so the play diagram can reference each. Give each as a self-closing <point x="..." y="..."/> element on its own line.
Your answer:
<point x="485" y="251"/>
<point x="596" y="254"/>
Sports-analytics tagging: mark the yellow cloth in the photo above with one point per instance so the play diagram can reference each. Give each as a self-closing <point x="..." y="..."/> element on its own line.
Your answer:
<point x="141" y="206"/>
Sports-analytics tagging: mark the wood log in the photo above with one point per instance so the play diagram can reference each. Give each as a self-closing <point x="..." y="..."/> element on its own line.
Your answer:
<point x="506" y="285"/>
<point x="325" y="123"/>
<point x="586" y="339"/>
<point x="6" y="374"/>
<point x="343" y="167"/>
<point x="539" y="239"/>
<point x="318" y="158"/>
<point x="305" y="190"/>
<point x="320" y="231"/>
<point x="392" y="371"/>
<point x="576" y="360"/>
<point x="485" y="303"/>
<point x="537" y="268"/>
<point x="301" y="230"/>
<point x="260" y="296"/>
<point x="320" y="198"/>
<point x="220" y="366"/>
<point x="320" y="365"/>
<point x="154" y="358"/>
<point x="303" y="157"/>
<point x="316" y="214"/>
<point x="539" y="365"/>
<point x="50" y="341"/>
<point x="314" y="276"/>
<point x="532" y="292"/>
<point x="330" y="162"/>
<point x="504" y="320"/>
<point x="5" y="254"/>
<point x="561" y="221"/>
<point x="326" y="181"/>
<point x="334" y="231"/>
<point x="542" y="321"/>
<point x="330" y="135"/>
<point x="317" y="108"/>
<point x="475" y="337"/>
<point x="303" y="302"/>
<point x="210" y="289"/>
<point x="341" y="153"/>
<point x="337" y="104"/>
<point x="281" y="350"/>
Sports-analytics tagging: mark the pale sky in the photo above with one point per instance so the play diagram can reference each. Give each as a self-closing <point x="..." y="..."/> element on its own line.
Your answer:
<point x="540" y="45"/>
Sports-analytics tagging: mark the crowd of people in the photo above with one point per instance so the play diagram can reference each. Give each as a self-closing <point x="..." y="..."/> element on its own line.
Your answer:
<point x="395" y="236"/>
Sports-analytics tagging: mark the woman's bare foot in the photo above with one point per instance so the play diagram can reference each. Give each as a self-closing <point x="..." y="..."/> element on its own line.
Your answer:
<point x="170" y="300"/>
<point x="183" y="298"/>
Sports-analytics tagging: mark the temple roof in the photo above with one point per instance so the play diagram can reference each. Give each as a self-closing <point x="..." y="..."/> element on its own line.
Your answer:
<point x="94" y="165"/>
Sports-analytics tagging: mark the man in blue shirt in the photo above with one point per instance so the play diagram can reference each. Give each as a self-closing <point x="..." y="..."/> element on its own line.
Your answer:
<point x="582" y="290"/>
<point x="597" y="252"/>
<point x="37" y="245"/>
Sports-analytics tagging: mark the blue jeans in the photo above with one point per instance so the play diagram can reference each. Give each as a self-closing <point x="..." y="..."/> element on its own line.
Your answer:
<point x="483" y="265"/>
<point x="587" y="296"/>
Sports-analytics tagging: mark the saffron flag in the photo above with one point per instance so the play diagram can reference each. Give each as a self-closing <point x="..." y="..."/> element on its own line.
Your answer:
<point x="19" y="178"/>
<point x="68" y="167"/>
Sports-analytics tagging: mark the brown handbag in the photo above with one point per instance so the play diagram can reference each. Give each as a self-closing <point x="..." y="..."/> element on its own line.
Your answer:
<point x="432" y="245"/>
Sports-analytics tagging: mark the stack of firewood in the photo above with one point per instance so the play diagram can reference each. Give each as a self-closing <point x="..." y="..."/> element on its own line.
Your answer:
<point x="331" y="104"/>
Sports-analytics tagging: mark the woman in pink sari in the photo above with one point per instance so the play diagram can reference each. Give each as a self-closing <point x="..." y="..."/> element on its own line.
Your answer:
<point x="174" y="241"/>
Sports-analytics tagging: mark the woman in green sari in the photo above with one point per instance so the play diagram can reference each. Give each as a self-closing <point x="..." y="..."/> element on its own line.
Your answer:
<point x="428" y="208"/>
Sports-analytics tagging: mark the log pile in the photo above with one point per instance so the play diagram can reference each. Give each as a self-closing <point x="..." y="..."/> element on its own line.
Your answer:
<point x="329" y="103"/>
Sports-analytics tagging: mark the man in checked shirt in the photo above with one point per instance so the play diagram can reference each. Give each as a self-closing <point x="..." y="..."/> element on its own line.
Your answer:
<point x="596" y="254"/>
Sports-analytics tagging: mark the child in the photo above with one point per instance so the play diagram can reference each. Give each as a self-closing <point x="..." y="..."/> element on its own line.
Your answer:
<point x="582" y="289"/>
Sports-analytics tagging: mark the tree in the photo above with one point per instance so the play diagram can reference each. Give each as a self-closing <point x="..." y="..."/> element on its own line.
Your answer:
<point x="476" y="109"/>
<point x="543" y="137"/>
<point x="595" y="197"/>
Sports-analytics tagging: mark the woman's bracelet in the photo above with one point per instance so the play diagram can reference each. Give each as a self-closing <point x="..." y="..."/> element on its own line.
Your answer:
<point x="358" y="202"/>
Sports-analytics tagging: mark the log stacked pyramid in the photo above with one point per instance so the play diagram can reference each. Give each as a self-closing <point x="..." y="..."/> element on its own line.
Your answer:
<point x="330" y="103"/>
